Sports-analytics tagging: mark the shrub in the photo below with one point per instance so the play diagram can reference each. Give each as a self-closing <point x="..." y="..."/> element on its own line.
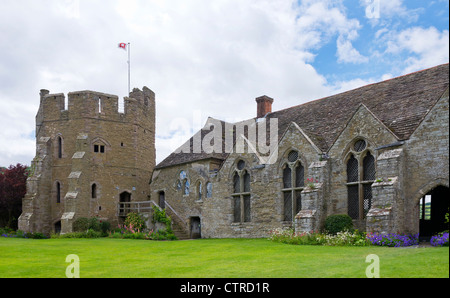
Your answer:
<point x="135" y="221"/>
<point x="81" y="224"/>
<point x="346" y="238"/>
<point x="105" y="226"/>
<point x="159" y="215"/>
<point x="90" y="233"/>
<point x="338" y="223"/>
<point x="94" y="224"/>
<point x="166" y="234"/>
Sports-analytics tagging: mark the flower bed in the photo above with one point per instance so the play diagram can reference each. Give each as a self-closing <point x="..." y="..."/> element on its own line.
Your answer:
<point x="393" y="240"/>
<point x="345" y="238"/>
<point x="440" y="240"/>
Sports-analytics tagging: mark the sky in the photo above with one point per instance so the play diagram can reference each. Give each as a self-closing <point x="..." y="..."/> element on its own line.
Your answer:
<point x="205" y="58"/>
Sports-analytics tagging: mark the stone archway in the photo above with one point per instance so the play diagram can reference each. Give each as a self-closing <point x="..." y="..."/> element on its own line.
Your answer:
<point x="432" y="209"/>
<point x="124" y="197"/>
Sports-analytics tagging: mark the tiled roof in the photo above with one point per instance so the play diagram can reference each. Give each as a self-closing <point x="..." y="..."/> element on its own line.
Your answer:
<point x="400" y="103"/>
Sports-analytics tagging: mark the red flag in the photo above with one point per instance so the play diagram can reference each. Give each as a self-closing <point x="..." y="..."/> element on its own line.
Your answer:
<point x="123" y="45"/>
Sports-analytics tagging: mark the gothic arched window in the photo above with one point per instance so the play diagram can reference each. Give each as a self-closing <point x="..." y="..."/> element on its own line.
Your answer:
<point x="293" y="184"/>
<point x="186" y="186"/>
<point x="209" y="190"/>
<point x="199" y="191"/>
<point x="360" y="176"/>
<point x="241" y="193"/>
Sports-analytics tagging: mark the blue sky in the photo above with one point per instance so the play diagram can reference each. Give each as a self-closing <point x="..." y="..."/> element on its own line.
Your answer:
<point x="374" y="35"/>
<point x="205" y="57"/>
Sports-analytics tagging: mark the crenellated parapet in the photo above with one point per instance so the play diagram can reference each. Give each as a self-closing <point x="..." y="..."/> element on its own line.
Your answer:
<point x="93" y="104"/>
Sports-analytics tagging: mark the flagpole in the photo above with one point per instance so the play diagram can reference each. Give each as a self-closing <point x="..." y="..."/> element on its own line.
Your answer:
<point x="128" y="48"/>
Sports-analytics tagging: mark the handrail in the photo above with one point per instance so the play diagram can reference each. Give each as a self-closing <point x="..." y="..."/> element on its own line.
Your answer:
<point x="123" y="209"/>
<point x="126" y="207"/>
<point x="174" y="212"/>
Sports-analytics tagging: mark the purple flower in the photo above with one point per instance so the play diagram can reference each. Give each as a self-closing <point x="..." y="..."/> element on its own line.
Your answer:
<point x="393" y="240"/>
<point x="439" y="240"/>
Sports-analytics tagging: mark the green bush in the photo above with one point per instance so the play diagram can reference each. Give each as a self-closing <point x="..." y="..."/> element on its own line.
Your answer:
<point x="105" y="226"/>
<point x="90" y="233"/>
<point x="159" y="215"/>
<point x="94" y="224"/>
<point x="135" y="221"/>
<point x="338" y="223"/>
<point x="81" y="224"/>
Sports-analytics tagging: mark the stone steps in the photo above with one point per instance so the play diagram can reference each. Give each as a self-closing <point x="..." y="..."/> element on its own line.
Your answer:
<point x="179" y="232"/>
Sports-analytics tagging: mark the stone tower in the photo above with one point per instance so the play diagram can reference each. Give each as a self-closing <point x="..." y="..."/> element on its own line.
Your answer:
<point x="89" y="157"/>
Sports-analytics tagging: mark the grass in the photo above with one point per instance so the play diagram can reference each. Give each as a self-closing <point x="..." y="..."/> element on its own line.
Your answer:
<point x="212" y="258"/>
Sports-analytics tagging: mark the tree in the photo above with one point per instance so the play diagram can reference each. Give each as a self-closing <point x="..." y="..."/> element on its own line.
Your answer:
<point x="12" y="189"/>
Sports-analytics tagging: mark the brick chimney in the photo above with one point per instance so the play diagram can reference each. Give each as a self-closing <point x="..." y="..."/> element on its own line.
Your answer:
<point x="264" y="106"/>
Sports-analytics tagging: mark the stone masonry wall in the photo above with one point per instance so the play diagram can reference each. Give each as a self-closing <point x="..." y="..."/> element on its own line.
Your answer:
<point x="427" y="158"/>
<point x="93" y="143"/>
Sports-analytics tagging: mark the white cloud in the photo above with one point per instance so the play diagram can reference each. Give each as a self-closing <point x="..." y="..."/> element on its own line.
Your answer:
<point x="384" y="12"/>
<point x="321" y="21"/>
<point x="213" y="56"/>
<point x="347" y="53"/>
<point x="426" y="47"/>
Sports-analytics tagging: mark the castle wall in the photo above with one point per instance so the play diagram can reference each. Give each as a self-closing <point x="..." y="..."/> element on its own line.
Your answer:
<point x="93" y="143"/>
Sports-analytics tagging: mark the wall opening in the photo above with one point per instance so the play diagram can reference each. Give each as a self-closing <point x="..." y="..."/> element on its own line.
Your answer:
<point x="94" y="191"/>
<point x="196" y="228"/>
<point x="124" y="209"/>
<point x="60" y="147"/>
<point x="162" y="200"/>
<point x="58" y="192"/>
<point x="58" y="227"/>
<point x="432" y="209"/>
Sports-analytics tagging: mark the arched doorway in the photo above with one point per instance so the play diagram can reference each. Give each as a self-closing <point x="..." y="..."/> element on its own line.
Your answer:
<point x="125" y="197"/>
<point x="196" y="228"/>
<point x="162" y="200"/>
<point x="432" y="209"/>
<point x="57" y="227"/>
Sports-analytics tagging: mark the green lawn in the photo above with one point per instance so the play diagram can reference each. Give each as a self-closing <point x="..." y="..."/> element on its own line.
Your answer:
<point x="228" y="258"/>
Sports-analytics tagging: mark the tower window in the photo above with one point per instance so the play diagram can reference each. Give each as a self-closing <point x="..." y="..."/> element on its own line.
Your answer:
<point x="58" y="192"/>
<point x="94" y="191"/>
<point x="99" y="148"/>
<point x="59" y="147"/>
